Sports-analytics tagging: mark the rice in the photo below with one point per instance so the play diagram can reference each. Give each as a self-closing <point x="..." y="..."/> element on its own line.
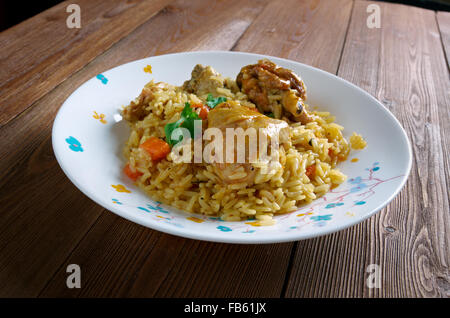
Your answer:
<point x="196" y="187"/>
<point x="357" y="141"/>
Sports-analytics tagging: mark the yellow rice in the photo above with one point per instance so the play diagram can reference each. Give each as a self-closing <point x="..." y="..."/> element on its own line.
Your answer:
<point x="197" y="188"/>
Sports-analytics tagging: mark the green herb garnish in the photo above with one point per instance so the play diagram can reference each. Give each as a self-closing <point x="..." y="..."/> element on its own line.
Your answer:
<point x="271" y="115"/>
<point x="213" y="102"/>
<point x="187" y="119"/>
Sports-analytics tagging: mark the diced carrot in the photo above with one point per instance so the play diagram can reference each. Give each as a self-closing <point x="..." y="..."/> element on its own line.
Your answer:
<point x="157" y="149"/>
<point x="331" y="154"/>
<point x="310" y="171"/>
<point x="204" y="110"/>
<point x="130" y="174"/>
<point x="204" y="113"/>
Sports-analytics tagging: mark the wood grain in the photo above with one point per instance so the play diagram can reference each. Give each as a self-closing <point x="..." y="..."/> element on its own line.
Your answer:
<point x="143" y="263"/>
<point x="296" y="30"/>
<point x="47" y="224"/>
<point x="47" y="212"/>
<point x="40" y="53"/>
<point x="443" y="19"/>
<point x="180" y="267"/>
<point x="405" y="69"/>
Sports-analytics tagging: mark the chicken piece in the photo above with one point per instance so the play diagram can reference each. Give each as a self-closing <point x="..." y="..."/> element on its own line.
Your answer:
<point x="204" y="80"/>
<point x="138" y="110"/>
<point x="233" y="115"/>
<point x="295" y="106"/>
<point x="257" y="80"/>
<point x="256" y="83"/>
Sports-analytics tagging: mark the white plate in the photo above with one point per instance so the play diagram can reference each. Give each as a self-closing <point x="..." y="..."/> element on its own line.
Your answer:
<point x="90" y="151"/>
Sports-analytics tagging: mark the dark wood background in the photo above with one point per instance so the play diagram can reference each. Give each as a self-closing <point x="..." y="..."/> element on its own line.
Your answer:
<point x="46" y="223"/>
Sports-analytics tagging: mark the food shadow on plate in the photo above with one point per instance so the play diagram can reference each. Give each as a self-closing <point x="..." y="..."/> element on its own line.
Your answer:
<point x="119" y="131"/>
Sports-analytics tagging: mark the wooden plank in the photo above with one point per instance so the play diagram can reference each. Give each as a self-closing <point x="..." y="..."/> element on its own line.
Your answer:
<point x="139" y="262"/>
<point x="41" y="52"/>
<point x="42" y="215"/>
<point x="181" y="267"/>
<point x="401" y="64"/>
<point x="298" y="31"/>
<point x="443" y="19"/>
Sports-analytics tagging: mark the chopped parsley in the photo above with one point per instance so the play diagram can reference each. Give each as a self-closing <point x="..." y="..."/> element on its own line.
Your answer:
<point x="213" y="102"/>
<point x="187" y="119"/>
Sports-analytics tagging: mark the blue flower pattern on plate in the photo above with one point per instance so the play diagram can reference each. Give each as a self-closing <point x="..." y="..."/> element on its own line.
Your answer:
<point x="74" y="144"/>
<point x="333" y="205"/>
<point x="116" y="201"/>
<point x="326" y="217"/>
<point x="143" y="209"/>
<point x="154" y="208"/>
<point x="224" y="228"/>
<point x="356" y="180"/>
<point x="359" y="185"/>
<point x="321" y="220"/>
<point x="102" y="78"/>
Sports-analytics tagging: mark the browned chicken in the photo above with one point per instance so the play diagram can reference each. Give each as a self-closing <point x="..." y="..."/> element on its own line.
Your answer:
<point x="138" y="109"/>
<point x="204" y="80"/>
<point x="233" y="115"/>
<point x="258" y="80"/>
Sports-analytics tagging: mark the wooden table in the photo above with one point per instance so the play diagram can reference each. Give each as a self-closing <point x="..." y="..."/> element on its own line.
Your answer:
<point x="46" y="223"/>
